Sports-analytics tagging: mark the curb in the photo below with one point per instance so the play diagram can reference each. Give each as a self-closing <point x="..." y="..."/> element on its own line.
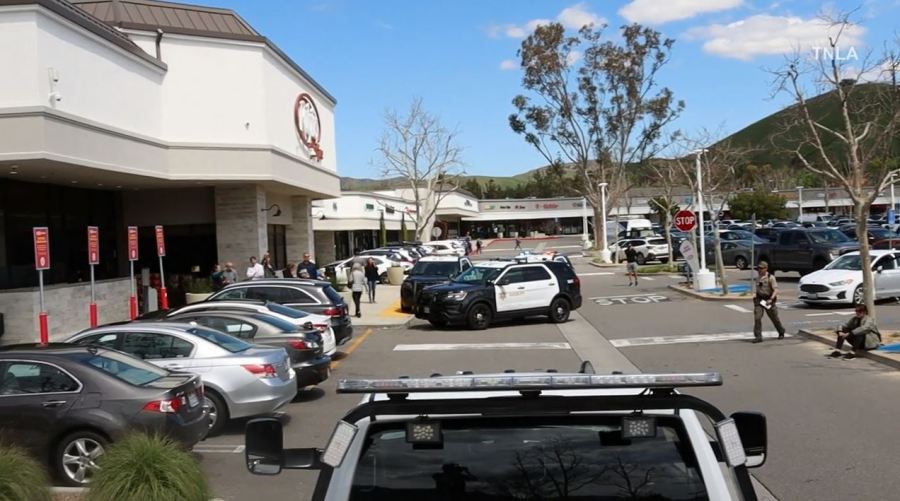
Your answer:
<point x="708" y="297"/>
<point x="606" y="265"/>
<point x="892" y="361"/>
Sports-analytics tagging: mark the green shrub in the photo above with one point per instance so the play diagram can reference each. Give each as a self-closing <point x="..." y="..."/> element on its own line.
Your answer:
<point x="21" y="477"/>
<point x="142" y="467"/>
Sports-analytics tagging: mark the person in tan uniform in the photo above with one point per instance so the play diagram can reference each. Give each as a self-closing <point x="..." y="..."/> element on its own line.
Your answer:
<point x="764" y="302"/>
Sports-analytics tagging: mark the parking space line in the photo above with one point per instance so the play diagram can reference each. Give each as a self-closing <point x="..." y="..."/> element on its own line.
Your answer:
<point x="596" y="273"/>
<point x="350" y="349"/>
<point x="845" y="313"/>
<point x="218" y="449"/>
<point x="482" y="346"/>
<point x="648" y="278"/>
<point x="737" y="308"/>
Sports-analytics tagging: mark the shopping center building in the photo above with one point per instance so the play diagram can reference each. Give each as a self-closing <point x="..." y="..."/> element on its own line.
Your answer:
<point x="137" y="112"/>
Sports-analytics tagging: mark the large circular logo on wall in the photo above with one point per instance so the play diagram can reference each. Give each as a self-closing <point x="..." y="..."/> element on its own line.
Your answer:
<point x="308" y="125"/>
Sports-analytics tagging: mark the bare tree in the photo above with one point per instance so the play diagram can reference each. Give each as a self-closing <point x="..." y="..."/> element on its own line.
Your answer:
<point x="594" y="104"/>
<point x="668" y="176"/>
<point x="847" y="132"/>
<point x="416" y="146"/>
<point x="719" y="162"/>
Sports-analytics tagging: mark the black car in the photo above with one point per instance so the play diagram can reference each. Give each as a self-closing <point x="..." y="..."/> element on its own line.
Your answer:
<point x="303" y="347"/>
<point x="311" y="296"/>
<point x="502" y="289"/>
<point x="430" y="270"/>
<point x="65" y="404"/>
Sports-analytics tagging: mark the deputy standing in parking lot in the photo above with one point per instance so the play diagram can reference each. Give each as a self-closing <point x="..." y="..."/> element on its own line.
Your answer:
<point x="764" y="301"/>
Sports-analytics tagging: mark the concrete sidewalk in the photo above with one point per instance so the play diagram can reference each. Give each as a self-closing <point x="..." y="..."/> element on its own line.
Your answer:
<point x="384" y="312"/>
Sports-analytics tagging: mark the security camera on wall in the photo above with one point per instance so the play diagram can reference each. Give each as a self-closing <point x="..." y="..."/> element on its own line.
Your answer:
<point x="55" y="96"/>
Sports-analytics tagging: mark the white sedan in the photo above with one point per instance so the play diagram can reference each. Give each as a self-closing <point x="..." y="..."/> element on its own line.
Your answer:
<point x="648" y="249"/>
<point x="840" y="282"/>
<point x="382" y="263"/>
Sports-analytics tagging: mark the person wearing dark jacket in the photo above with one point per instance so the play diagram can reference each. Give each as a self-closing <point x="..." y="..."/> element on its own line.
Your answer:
<point x="371" y="277"/>
<point x="307" y="266"/>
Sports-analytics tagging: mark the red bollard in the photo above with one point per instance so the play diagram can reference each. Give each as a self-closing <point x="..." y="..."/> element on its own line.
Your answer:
<point x="163" y="299"/>
<point x="93" y="314"/>
<point x="132" y="306"/>
<point x="45" y="329"/>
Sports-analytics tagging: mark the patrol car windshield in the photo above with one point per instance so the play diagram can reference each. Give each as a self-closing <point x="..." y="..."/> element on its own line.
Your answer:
<point x="583" y="457"/>
<point x="477" y="275"/>
<point x="442" y="268"/>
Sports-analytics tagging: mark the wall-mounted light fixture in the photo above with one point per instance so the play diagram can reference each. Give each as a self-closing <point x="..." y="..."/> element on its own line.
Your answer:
<point x="273" y="206"/>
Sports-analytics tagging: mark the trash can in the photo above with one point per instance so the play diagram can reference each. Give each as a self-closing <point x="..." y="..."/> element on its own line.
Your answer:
<point x="395" y="275"/>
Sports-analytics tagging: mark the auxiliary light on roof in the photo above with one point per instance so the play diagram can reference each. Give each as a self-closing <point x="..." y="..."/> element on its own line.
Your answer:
<point x="528" y="382"/>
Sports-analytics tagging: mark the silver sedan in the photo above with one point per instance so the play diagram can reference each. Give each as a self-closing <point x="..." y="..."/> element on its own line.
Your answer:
<point x="240" y="379"/>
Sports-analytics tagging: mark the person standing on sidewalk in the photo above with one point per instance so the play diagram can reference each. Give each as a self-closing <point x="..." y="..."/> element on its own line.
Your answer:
<point x="518" y="243"/>
<point x="308" y="266"/>
<point x="631" y="266"/>
<point x="478" y="246"/>
<point x="371" y="272"/>
<point x="764" y="302"/>
<point x="255" y="270"/>
<point x="357" y="286"/>
<point x="229" y="276"/>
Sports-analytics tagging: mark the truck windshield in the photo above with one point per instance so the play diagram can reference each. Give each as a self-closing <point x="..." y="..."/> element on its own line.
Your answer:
<point x="477" y="275"/>
<point x="582" y="457"/>
<point x="828" y="237"/>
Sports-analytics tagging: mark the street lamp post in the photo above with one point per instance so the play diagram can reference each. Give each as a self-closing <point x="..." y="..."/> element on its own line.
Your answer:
<point x="584" y="224"/>
<point x="799" y="204"/>
<point x="705" y="279"/>
<point x="604" y="250"/>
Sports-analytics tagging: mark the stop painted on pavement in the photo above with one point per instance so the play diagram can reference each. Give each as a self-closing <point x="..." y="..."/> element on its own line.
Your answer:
<point x="630" y="299"/>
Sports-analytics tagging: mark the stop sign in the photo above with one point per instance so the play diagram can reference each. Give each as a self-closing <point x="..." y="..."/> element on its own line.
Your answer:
<point x="685" y="220"/>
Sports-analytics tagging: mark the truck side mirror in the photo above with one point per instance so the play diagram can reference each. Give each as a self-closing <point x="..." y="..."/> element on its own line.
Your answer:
<point x="751" y="427"/>
<point x="264" y="451"/>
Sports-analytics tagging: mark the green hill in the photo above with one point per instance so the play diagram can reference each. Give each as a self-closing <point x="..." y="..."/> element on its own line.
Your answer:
<point x="366" y="184"/>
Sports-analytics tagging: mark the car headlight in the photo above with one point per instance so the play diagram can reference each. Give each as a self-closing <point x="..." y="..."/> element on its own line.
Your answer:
<point x="841" y="282"/>
<point x="456" y="296"/>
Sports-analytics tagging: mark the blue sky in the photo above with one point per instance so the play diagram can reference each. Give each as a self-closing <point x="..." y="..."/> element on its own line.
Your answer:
<point x="458" y="56"/>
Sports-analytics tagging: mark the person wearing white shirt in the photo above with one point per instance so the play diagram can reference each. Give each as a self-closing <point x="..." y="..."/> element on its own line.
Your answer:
<point x="255" y="270"/>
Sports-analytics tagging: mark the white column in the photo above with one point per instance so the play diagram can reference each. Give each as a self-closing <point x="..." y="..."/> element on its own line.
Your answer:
<point x="584" y="225"/>
<point x="799" y="204"/>
<point x="705" y="279"/>
<point x="604" y="251"/>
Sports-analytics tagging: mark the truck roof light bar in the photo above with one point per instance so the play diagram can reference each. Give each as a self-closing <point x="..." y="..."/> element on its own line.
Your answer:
<point x="531" y="382"/>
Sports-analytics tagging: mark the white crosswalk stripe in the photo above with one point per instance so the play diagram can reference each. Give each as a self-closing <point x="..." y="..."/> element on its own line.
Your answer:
<point x="737" y="308"/>
<point x="691" y="338"/>
<point x="481" y="346"/>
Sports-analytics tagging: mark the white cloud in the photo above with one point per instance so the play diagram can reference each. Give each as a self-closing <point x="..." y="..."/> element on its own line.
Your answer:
<point x="574" y="57"/>
<point x="763" y="34"/>
<point x="578" y="15"/>
<point x="508" y="64"/>
<point x="659" y="12"/>
<point x="573" y="17"/>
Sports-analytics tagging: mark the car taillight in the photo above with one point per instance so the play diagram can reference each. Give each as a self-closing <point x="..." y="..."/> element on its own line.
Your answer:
<point x="166" y="406"/>
<point x="261" y="370"/>
<point x="299" y="345"/>
<point x="333" y="312"/>
<point x="577" y="281"/>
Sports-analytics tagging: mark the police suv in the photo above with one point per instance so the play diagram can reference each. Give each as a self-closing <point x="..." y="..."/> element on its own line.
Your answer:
<point x="526" y="436"/>
<point x="492" y="290"/>
<point x="430" y="270"/>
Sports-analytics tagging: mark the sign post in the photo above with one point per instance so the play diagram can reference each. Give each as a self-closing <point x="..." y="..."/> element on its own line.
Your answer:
<point x="161" y="252"/>
<point x="132" y="257"/>
<point x="42" y="262"/>
<point x="93" y="239"/>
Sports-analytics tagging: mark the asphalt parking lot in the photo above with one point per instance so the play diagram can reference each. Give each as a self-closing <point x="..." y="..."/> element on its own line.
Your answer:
<point x="813" y="403"/>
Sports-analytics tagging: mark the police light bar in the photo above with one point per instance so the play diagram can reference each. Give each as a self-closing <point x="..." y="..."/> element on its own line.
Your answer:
<point x="528" y="382"/>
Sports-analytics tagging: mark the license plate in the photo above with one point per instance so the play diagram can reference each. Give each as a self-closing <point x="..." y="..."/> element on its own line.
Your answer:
<point x="812" y="296"/>
<point x="426" y="309"/>
<point x="193" y="401"/>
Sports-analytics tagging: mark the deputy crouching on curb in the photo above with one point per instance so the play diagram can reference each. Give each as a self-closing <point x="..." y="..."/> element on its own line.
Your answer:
<point x="764" y="301"/>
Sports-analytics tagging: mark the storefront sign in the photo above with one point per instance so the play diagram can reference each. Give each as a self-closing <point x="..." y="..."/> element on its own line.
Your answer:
<point x="531" y="205"/>
<point x="160" y="242"/>
<point x="309" y="125"/>
<point x="41" y="248"/>
<point x="93" y="236"/>
<point x="132" y="243"/>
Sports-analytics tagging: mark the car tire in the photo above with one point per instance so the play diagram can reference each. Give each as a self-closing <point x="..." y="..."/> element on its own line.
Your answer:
<point x="741" y="263"/>
<point x="75" y="457"/>
<point x="383" y="278"/>
<point x="479" y="316"/>
<point x="859" y="296"/>
<point x="820" y="263"/>
<point x="405" y="309"/>
<point x="218" y="413"/>
<point x="664" y="260"/>
<point x="641" y="260"/>
<point x="559" y="310"/>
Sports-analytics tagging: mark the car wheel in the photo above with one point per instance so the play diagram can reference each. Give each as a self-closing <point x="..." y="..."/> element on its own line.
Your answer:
<point x="559" y="310"/>
<point x="479" y="317"/>
<point x="740" y="262"/>
<point x="820" y="263"/>
<point x="858" y="296"/>
<point x="218" y="413"/>
<point x="383" y="278"/>
<point x="664" y="260"/>
<point x="77" y="455"/>
<point x="405" y="309"/>
<point x="641" y="260"/>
